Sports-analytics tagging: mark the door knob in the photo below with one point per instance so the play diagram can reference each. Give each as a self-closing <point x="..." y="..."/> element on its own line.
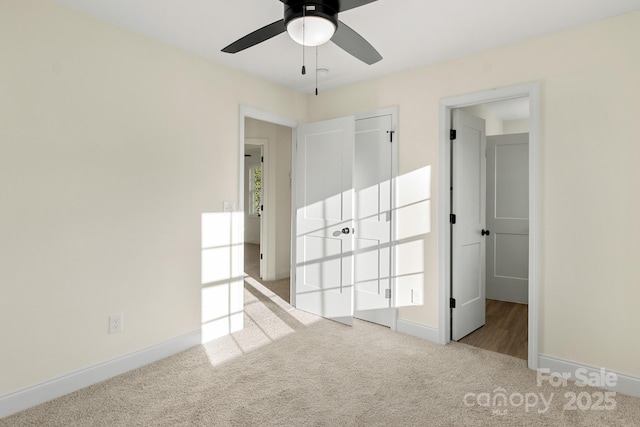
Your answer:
<point x="346" y="230"/>
<point x="485" y="232"/>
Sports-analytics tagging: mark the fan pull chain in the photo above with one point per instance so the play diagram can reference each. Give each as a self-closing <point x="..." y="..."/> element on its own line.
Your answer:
<point x="316" y="70"/>
<point x="304" y="70"/>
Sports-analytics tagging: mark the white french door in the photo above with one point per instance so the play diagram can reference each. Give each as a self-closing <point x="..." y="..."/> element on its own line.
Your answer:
<point x="324" y="219"/>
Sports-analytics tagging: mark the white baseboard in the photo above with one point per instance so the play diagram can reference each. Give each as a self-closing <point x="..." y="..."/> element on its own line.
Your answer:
<point x="417" y="330"/>
<point x="31" y="396"/>
<point x="626" y="384"/>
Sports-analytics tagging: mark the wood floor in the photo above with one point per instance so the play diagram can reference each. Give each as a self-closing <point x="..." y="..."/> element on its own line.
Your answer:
<point x="505" y="330"/>
<point x="252" y="268"/>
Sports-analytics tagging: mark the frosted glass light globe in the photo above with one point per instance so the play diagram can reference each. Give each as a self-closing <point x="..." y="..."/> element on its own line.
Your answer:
<point x="317" y="30"/>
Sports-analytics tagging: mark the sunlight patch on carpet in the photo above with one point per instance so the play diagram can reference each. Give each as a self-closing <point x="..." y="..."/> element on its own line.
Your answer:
<point x="267" y="318"/>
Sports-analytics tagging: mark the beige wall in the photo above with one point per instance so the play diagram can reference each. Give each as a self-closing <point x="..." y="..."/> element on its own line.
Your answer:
<point x="112" y="146"/>
<point x="282" y="221"/>
<point x="492" y="123"/>
<point x="515" y="126"/>
<point x="590" y="232"/>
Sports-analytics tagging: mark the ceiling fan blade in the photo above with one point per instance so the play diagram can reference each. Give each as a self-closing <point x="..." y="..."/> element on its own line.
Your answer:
<point x="355" y="44"/>
<point x="352" y="4"/>
<point x="258" y="36"/>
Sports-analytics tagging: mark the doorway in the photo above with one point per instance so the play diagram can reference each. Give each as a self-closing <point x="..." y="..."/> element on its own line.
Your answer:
<point x="504" y="328"/>
<point x="265" y="199"/>
<point x="255" y="191"/>
<point x="446" y="304"/>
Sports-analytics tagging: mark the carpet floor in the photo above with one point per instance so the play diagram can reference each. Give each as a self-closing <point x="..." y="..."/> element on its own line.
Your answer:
<point x="290" y="368"/>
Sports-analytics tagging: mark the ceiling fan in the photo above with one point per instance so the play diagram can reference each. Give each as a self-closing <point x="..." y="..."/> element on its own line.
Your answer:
<point x="312" y="23"/>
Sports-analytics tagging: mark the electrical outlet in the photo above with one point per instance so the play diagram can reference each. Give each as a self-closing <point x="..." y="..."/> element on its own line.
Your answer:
<point x="115" y="323"/>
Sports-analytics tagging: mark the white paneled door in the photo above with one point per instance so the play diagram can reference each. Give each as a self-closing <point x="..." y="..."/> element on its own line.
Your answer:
<point x="372" y="181"/>
<point x="343" y="207"/>
<point x="468" y="229"/>
<point x="508" y="217"/>
<point x="324" y="219"/>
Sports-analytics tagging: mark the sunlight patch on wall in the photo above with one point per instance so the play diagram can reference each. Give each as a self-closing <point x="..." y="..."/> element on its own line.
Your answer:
<point x="221" y="274"/>
<point x="413" y="220"/>
<point x="413" y="224"/>
<point x="413" y="187"/>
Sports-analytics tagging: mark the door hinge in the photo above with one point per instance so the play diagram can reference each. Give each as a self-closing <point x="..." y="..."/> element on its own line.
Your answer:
<point x="387" y="293"/>
<point x="262" y="207"/>
<point x="452" y="303"/>
<point x="452" y="218"/>
<point x="391" y="132"/>
<point x="452" y="134"/>
<point x="260" y="256"/>
<point x="262" y="159"/>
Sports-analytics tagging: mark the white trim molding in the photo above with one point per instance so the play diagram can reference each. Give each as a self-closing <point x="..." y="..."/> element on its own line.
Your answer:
<point x="417" y="330"/>
<point x="531" y="90"/>
<point x="28" y="397"/>
<point x="625" y="384"/>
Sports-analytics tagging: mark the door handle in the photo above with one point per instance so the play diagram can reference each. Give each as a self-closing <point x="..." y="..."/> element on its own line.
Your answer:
<point x="346" y="230"/>
<point x="486" y="232"/>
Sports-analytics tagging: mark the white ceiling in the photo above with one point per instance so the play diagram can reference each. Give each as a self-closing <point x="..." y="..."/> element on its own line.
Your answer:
<point x="407" y="33"/>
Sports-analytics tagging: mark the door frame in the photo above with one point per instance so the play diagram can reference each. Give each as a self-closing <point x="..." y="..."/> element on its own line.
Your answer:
<point x="254" y="113"/>
<point x="263" y="143"/>
<point x="532" y="90"/>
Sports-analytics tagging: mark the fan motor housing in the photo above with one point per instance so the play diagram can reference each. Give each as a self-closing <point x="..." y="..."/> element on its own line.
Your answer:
<point x="324" y="9"/>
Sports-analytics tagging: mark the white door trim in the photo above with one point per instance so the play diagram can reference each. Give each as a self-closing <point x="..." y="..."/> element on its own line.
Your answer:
<point x="532" y="90"/>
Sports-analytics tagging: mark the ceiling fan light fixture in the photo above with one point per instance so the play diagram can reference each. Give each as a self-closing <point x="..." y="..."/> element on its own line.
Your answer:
<point x="312" y="23"/>
<point x="311" y="30"/>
